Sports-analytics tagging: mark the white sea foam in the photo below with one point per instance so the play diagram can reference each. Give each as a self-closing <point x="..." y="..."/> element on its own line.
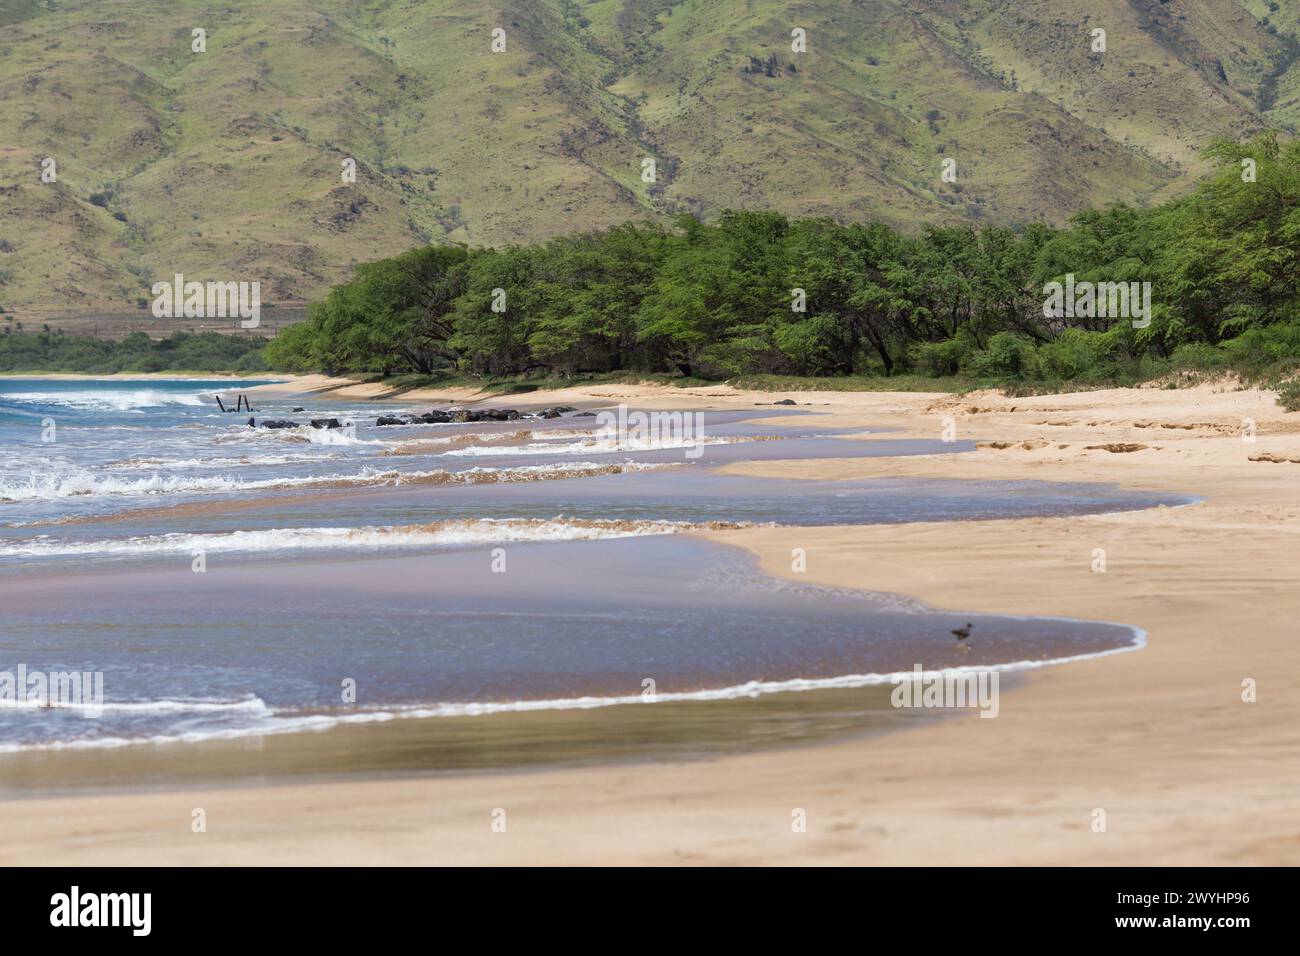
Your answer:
<point x="287" y="721"/>
<point x="51" y="486"/>
<point x="107" y="400"/>
<point x="443" y="533"/>
<point x="304" y="434"/>
<point x="333" y="436"/>
<point x="253" y="706"/>
<point x="592" y="446"/>
<point x="149" y="464"/>
<point x="250" y="706"/>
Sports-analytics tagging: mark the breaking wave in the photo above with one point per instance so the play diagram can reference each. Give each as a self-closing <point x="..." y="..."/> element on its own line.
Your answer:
<point x="47" y="487"/>
<point x="439" y="533"/>
<point x="107" y="400"/>
<point x="281" y="721"/>
<point x="592" y="446"/>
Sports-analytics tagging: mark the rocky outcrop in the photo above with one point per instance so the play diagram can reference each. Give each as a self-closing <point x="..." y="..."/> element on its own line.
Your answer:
<point x="457" y="416"/>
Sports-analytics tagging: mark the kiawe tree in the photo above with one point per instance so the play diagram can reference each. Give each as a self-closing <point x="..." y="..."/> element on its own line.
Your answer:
<point x="392" y="316"/>
<point x="1236" y="261"/>
<point x="498" y="311"/>
<point x="711" y="308"/>
<point x="589" y="294"/>
<point x="843" y="271"/>
<point x="756" y="292"/>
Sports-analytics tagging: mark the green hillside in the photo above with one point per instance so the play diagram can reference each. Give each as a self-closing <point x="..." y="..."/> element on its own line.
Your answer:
<point x="226" y="164"/>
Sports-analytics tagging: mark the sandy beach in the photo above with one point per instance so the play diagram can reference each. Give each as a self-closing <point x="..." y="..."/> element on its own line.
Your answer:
<point x="1160" y="740"/>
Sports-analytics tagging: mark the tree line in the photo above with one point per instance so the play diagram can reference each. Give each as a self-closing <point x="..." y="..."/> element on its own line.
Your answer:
<point x="757" y="292"/>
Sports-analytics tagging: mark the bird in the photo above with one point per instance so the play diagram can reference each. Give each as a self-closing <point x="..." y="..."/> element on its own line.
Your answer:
<point x="961" y="633"/>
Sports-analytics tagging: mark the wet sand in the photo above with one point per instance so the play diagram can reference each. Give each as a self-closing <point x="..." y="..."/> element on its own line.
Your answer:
<point x="1161" y="740"/>
<point x="406" y="748"/>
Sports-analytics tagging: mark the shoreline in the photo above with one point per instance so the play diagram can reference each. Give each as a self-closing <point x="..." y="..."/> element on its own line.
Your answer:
<point x="846" y="659"/>
<point x="1160" y="739"/>
<point x="308" y="385"/>
<point x="140" y="376"/>
<point x="367" y="726"/>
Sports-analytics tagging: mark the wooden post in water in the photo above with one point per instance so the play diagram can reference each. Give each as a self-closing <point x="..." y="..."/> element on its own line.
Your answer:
<point x="219" y="405"/>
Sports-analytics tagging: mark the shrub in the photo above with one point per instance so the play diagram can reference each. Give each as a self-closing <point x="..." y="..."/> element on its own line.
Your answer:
<point x="1288" y="395"/>
<point x="1076" y="354"/>
<point x="1200" y="355"/>
<point x="1008" y="355"/>
<point x="941" y="358"/>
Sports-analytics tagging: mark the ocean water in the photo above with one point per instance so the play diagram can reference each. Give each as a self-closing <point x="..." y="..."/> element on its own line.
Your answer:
<point x="378" y="573"/>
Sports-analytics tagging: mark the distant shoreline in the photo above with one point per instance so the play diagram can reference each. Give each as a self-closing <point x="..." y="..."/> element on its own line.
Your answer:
<point x="139" y="376"/>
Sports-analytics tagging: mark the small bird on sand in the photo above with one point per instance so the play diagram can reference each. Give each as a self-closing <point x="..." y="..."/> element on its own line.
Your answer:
<point x="962" y="633"/>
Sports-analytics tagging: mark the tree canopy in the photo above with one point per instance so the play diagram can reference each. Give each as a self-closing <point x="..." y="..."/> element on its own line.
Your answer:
<point x="755" y="292"/>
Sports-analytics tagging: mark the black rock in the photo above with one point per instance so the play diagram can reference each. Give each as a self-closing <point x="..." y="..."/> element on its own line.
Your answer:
<point x="435" y="418"/>
<point x="786" y="401"/>
<point x="555" y="412"/>
<point x="325" y="423"/>
<point x="389" y="420"/>
<point x="279" y="423"/>
<point x="297" y="408"/>
<point x="585" y="415"/>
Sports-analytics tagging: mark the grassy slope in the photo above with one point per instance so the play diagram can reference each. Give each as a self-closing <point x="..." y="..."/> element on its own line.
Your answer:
<point x="226" y="164"/>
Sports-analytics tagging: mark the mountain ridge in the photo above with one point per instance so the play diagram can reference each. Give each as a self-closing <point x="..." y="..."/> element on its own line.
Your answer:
<point x="226" y="164"/>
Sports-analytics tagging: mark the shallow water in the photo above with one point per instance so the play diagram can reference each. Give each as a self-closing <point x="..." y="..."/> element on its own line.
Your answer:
<point x="446" y="634"/>
<point x="331" y="558"/>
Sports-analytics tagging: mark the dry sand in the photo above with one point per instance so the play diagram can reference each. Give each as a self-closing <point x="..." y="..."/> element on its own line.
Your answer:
<point x="1160" y="740"/>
